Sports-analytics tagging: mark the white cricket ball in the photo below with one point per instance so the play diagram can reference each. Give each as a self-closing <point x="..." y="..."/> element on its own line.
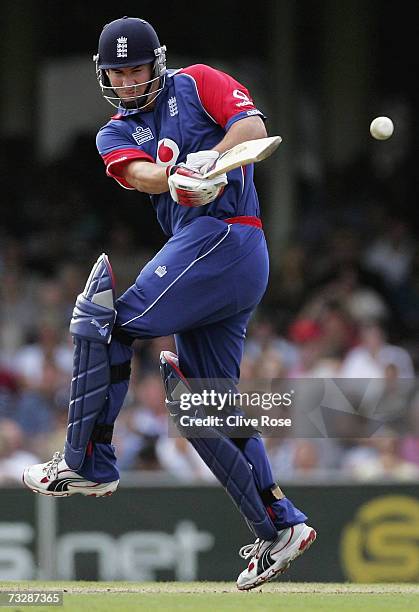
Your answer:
<point x="381" y="128"/>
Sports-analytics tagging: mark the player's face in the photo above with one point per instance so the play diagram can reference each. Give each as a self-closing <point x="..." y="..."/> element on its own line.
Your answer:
<point x="131" y="81"/>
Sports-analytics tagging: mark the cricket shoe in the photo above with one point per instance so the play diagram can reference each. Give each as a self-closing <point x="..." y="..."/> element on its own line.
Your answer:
<point x="271" y="558"/>
<point x="56" y="478"/>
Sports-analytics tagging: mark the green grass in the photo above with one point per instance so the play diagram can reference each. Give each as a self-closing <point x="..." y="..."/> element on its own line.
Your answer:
<point x="220" y="596"/>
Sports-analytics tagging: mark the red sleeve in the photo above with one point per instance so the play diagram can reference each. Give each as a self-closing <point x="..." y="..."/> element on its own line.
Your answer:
<point x="116" y="160"/>
<point x="221" y="96"/>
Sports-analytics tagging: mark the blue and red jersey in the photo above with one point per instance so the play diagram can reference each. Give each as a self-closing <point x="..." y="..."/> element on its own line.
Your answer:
<point x="193" y="112"/>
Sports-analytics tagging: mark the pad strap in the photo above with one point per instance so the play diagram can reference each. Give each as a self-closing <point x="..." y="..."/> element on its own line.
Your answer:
<point x="271" y="494"/>
<point x="120" y="372"/>
<point x="102" y="434"/>
<point x="122" y="336"/>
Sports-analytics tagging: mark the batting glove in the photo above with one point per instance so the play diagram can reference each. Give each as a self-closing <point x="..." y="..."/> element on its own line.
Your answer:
<point x="202" y="161"/>
<point x="188" y="188"/>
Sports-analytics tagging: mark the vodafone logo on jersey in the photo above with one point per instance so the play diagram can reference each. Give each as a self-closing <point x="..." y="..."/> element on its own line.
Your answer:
<point x="244" y="99"/>
<point x="167" y="152"/>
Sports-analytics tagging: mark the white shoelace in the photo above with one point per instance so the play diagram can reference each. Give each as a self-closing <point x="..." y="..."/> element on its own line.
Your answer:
<point x="249" y="550"/>
<point x="52" y="466"/>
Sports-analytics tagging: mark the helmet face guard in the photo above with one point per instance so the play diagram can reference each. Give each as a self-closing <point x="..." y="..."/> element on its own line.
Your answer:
<point x="126" y="43"/>
<point x="136" y="101"/>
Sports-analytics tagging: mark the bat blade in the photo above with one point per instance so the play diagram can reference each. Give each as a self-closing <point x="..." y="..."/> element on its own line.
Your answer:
<point x="247" y="152"/>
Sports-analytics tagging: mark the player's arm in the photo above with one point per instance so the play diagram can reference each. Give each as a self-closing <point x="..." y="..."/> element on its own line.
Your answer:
<point x="186" y="186"/>
<point x="133" y="167"/>
<point x="250" y="128"/>
<point x="145" y="176"/>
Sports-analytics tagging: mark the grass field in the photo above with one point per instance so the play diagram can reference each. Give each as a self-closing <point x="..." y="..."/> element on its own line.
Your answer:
<point x="215" y="596"/>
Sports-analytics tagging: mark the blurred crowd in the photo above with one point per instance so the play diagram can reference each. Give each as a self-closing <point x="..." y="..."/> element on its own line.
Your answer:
<point x="342" y="303"/>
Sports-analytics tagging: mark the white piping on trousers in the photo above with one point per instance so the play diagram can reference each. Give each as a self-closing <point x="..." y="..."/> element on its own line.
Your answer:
<point x="178" y="277"/>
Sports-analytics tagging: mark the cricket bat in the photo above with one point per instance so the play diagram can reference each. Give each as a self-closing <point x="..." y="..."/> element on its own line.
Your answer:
<point x="247" y="152"/>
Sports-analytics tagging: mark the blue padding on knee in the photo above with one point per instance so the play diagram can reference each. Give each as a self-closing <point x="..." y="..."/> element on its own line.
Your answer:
<point x="89" y="388"/>
<point x="94" y="313"/>
<point x="91" y="321"/>
<point x="91" y="327"/>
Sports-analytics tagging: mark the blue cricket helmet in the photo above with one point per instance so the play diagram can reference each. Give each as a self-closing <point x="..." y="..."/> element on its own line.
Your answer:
<point x="127" y="42"/>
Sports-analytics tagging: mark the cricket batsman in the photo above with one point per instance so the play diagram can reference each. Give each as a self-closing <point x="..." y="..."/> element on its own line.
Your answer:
<point x="170" y="127"/>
